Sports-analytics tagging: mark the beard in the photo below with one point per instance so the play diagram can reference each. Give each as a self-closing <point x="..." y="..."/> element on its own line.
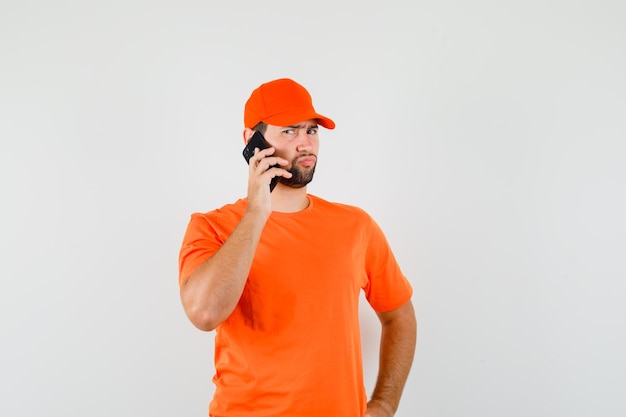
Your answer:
<point x="299" y="176"/>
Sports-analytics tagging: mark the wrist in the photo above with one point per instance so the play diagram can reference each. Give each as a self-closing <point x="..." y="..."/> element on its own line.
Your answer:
<point x="380" y="408"/>
<point x="256" y="214"/>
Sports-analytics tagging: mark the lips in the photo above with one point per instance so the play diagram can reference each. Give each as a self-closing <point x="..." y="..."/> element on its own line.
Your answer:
<point x="308" y="160"/>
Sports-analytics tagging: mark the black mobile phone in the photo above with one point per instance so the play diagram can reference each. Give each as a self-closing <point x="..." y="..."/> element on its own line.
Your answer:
<point x="258" y="141"/>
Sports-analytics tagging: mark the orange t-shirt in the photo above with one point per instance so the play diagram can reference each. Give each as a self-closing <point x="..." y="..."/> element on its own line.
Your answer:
<point x="292" y="345"/>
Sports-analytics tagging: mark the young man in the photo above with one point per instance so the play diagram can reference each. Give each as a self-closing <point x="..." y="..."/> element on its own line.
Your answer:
<point x="278" y="276"/>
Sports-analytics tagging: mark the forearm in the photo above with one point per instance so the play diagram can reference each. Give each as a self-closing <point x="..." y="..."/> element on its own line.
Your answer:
<point x="397" y="348"/>
<point x="213" y="290"/>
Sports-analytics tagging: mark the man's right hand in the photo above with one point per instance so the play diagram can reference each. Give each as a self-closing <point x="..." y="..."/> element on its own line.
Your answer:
<point x="260" y="176"/>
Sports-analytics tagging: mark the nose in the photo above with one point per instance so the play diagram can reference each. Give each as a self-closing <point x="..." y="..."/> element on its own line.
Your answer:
<point x="304" y="141"/>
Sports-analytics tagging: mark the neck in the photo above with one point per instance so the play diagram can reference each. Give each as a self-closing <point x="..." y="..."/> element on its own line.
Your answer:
<point x="289" y="200"/>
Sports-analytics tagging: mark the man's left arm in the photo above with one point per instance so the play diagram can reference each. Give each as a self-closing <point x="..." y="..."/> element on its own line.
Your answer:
<point x="397" y="347"/>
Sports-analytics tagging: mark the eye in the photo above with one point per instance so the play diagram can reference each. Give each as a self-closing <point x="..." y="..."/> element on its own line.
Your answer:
<point x="312" y="131"/>
<point x="288" y="131"/>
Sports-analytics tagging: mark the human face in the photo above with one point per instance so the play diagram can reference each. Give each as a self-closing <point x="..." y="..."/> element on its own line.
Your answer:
<point x="299" y="144"/>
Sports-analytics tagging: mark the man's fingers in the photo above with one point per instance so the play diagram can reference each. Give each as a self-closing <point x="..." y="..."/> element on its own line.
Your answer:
<point x="264" y="164"/>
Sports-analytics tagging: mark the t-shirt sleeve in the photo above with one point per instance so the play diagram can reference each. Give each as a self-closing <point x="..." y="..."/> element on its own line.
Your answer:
<point x="201" y="241"/>
<point x="387" y="287"/>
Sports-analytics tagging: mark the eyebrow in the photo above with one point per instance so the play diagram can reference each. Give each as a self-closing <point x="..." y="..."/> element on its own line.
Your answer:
<point x="301" y="126"/>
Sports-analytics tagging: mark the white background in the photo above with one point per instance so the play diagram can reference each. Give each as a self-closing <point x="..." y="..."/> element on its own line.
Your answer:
<point x="487" y="138"/>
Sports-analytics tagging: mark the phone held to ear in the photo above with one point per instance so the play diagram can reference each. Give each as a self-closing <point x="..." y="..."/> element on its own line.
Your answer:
<point x="258" y="141"/>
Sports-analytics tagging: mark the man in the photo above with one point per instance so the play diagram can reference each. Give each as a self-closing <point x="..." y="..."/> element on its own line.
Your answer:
<point x="278" y="276"/>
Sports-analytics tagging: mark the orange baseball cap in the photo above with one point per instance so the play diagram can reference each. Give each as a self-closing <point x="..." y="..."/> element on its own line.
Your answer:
<point x="281" y="102"/>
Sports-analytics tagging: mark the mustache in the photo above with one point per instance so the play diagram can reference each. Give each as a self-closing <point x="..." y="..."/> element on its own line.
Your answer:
<point x="305" y="155"/>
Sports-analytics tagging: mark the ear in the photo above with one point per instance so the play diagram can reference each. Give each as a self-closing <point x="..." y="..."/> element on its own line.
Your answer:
<point x="247" y="134"/>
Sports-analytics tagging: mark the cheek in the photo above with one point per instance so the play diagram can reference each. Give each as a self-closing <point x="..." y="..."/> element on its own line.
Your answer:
<point x="315" y="147"/>
<point x="285" y="152"/>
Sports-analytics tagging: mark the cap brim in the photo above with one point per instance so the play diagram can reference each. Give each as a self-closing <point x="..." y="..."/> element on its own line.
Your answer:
<point x="288" y="119"/>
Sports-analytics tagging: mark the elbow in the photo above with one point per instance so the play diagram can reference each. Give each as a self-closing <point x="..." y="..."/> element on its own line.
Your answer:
<point x="203" y="309"/>
<point x="202" y="319"/>
<point x="200" y="312"/>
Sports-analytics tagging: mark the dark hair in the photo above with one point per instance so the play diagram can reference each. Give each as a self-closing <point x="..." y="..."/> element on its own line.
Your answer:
<point x="260" y="127"/>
